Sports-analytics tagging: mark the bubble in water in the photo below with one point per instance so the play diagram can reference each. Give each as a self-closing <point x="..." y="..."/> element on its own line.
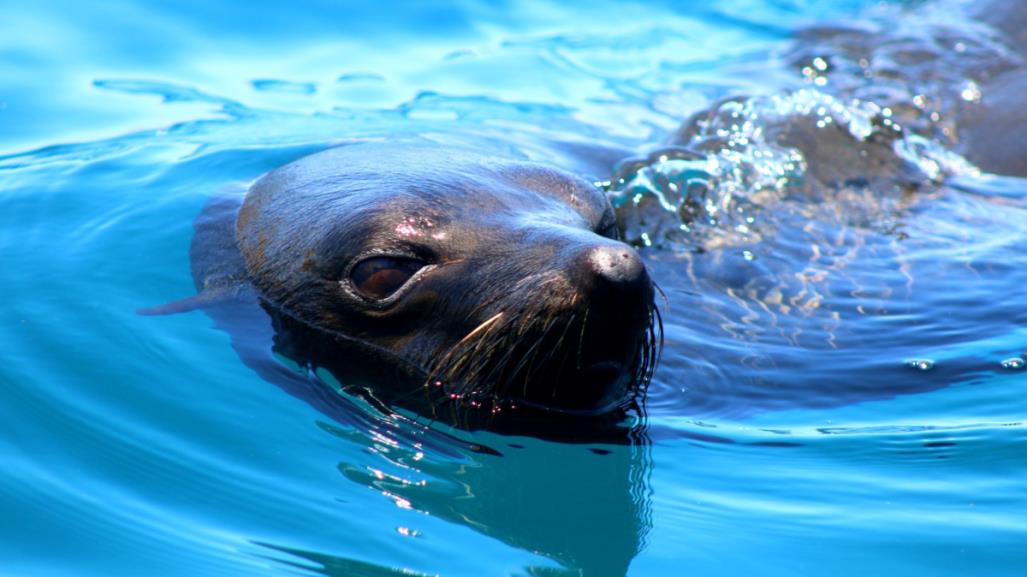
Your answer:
<point x="1015" y="363"/>
<point x="920" y="364"/>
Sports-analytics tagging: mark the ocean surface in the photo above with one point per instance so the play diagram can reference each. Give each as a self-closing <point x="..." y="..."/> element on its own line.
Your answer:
<point x="842" y="389"/>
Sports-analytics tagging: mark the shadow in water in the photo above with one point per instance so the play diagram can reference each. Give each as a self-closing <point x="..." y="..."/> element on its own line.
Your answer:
<point x="585" y="508"/>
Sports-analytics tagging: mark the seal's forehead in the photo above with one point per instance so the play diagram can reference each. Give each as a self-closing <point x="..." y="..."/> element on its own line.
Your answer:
<point x="493" y="186"/>
<point x="420" y="179"/>
<point x="391" y="160"/>
<point x="548" y="180"/>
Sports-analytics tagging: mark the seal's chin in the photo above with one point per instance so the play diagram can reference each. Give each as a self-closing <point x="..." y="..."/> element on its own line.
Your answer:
<point x="611" y="381"/>
<point x="595" y="390"/>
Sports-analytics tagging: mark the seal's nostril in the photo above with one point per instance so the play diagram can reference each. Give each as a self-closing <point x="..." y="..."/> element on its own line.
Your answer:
<point x="617" y="264"/>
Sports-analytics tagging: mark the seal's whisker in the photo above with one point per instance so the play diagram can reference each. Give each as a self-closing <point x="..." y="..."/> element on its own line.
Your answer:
<point x="645" y="359"/>
<point x="556" y="348"/>
<point x="654" y="345"/>
<point x="563" y="336"/>
<point x="451" y="360"/>
<point x="529" y="356"/>
<point x="482" y="354"/>
<point x="663" y="295"/>
<point x="531" y="364"/>
<point x="581" y="339"/>
<point x="656" y="318"/>
<point x="466" y="374"/>
<point x="484" y="325"/>
<point x="485" y="304"/>
<point x="500" y="365"/>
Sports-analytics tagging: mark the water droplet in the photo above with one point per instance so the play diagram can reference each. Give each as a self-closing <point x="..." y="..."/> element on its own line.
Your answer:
<point x="971" y="92"/>
<point x="1014" y="364"/>
<point x="408" y="532"/>
<point x="920" y="364"/>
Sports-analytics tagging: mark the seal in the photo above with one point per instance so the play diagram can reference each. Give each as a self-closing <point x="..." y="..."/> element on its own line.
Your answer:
<point x="470" y="284"/>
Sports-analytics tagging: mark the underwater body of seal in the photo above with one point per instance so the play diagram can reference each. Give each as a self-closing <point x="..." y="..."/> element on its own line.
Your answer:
<point x="827" y="194"/>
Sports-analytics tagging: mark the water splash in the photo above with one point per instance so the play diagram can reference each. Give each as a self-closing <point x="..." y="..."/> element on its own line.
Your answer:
<point x="745" y="154"/>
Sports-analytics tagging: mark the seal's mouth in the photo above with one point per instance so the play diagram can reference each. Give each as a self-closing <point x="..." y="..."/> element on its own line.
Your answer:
<point x="603" y="372"/>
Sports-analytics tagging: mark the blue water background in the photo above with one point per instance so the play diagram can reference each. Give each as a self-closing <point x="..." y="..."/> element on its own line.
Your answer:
<point x="143" y="445"/>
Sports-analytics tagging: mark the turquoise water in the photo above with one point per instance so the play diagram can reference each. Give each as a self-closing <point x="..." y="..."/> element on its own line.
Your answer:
<point x="791" y="429"/>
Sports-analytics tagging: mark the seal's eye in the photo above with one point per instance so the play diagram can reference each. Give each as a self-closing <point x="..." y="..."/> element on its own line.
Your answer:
<point x="378" y="277"/>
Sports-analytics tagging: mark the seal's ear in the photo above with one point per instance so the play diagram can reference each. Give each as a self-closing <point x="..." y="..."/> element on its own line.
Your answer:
<point x="205" y="299"/>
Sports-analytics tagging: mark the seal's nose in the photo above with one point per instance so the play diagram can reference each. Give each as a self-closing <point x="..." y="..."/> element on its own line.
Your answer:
<point x="618" y="265"/>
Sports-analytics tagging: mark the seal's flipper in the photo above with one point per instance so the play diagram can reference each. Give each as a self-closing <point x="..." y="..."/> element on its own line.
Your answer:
<point x="219" y="273"/>
<point x="206" y="299"/>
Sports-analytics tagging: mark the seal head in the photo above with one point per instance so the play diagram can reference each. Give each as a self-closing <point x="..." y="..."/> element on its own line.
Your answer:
<point x="498" y="283"/>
